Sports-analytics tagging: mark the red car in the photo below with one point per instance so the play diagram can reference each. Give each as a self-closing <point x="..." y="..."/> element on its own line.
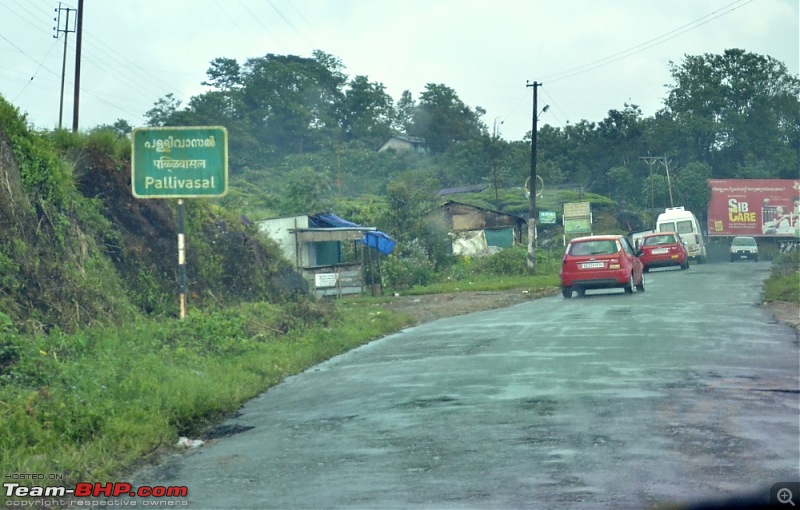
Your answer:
<point x="600" y="262"/>
<point x="663" y="249"/>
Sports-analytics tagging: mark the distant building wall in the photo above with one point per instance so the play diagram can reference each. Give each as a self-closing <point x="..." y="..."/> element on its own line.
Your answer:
<point x="476" y="229"/>
<point x="281" y="231"/>
<point x="405" y="143"/>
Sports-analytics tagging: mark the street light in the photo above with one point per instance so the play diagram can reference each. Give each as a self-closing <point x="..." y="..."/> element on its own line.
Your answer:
<point x="532" y="195"/>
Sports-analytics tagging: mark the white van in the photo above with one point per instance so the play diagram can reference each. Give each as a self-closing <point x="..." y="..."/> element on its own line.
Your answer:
<point x="678" y="219"/>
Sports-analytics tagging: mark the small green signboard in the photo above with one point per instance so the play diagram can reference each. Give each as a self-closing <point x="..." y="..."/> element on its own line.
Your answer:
<point x="179" y="162"/>
<point x="547" y="217"/>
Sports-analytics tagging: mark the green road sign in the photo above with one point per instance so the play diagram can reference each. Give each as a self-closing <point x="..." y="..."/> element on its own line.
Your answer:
<point x="179" y="162"/>
<point x="547" y="217"/>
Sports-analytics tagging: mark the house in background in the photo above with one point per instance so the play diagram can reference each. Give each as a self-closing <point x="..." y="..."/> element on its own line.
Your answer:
<point x="405" y="143"/>
<point x="330" y="252"/>
<point x="476" y="230"/>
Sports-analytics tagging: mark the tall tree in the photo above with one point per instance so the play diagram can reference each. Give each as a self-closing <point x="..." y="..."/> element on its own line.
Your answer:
<point x="366" y="112"/>
<point x="291" y="100"/>
<point x="405" y="111"/>
<point x="224" y="74"/>
<point x="163" y="110"/>
<point x="691" y="188"/>
<point x="736" y="108"/>
<point x="442" y="119"/>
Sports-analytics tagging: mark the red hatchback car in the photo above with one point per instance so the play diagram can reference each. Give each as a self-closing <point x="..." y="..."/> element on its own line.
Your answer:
<point x="600" y="262"/>
<point x="663" y="249"/>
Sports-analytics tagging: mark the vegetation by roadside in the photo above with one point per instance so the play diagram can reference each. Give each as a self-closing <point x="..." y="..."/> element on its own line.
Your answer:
<point x="92" y="404"/>
<point x="783" y="283"/>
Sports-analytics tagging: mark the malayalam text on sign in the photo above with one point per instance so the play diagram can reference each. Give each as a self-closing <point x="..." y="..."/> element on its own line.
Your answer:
<point x="179" y="162"/>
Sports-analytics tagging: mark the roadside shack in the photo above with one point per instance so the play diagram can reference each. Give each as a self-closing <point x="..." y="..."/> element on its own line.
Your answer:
<point x="337" y="257"/>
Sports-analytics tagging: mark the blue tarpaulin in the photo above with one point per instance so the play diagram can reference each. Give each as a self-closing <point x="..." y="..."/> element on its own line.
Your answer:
<point x="372" y="238"/>
<point x="380" y="241"/>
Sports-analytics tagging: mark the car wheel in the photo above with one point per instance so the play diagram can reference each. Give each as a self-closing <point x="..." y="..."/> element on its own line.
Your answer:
<point x="640" y="287"/>
<point x="645" y="269"/>
<point x="629" y="286"/>
<point x="581" y="292"/>
<point x="755" y="259"/>
<point x="733" y="259"/>
<point x="566" y="292"/>
<point x="684" y="265"/>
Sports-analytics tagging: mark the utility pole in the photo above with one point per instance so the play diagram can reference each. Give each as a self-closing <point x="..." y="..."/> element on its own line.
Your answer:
<point x="76" y="102"/>
<point x="669" y="182"/>
<point x="532" y="195"/>
<point x="651" y="160"/>
<point x="66" y="31"/>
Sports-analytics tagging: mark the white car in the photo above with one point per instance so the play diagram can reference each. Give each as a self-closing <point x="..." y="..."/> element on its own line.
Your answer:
<point x="744" y="248"/>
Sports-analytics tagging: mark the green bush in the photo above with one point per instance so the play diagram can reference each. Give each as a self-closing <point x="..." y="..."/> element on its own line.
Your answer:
<point x="783" y="283"/>
<point x="404" y="273"/>
<point x="510" y="261"/>
<point x="506" y="262"/>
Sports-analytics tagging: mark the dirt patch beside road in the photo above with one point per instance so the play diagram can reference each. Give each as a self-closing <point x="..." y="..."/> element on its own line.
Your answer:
<point x="786" y="312"/>
<point x="430" y="307"/>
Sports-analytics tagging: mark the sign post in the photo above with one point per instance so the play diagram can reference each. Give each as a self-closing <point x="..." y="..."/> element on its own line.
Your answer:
<point x="577" y="219"/>
<point x="179" y="162"/>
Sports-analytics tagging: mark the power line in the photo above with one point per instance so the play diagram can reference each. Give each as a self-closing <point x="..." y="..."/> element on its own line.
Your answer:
<point x="313" y="30"/>
<point x="233" y="21"/>
<point x="112" y="64"/>
<point x="258" y="20"/>
<point x="289" y="22"/>
<point x="35" y="73"/>
<point x="647" y="44"/>
<point x="696" y="23"/>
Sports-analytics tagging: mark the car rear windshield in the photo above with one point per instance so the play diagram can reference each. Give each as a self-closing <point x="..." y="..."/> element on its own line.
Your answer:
<point x="605" y="247"/>
<point x="656" y="240"/>
<point x="744" y="241"/>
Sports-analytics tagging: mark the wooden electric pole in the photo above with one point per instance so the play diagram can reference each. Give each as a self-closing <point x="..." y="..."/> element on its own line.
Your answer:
<point x="67" y="30"/>
<point x="76" y="102"/>
<point x="532" y="194"/>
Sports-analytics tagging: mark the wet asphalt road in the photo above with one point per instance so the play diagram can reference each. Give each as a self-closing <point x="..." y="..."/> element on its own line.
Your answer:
<point x="686" y="392"/>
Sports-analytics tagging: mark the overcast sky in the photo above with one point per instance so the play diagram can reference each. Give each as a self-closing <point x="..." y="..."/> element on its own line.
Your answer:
<point x="591" y="55"/>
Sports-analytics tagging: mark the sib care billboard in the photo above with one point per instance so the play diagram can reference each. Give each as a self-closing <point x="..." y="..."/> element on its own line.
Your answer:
<point x="754" y="207"/>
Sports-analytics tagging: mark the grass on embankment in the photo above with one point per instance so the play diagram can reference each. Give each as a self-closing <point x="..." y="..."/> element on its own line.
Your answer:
<point x="93" y="404"/>
<point x="783" y="283"/>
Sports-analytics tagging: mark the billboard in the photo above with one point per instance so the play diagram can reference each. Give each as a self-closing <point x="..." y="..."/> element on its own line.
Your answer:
<point x="577" y="218"/>
<point x="754" y="207"/>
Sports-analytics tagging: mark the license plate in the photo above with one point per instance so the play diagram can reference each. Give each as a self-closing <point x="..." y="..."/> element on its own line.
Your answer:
<point x="592" y="265"/>
<point x="660" y="251"/>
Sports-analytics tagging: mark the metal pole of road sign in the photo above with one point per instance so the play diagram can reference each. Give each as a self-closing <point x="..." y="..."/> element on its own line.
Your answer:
<point x="181" y="259"/>
<point x="179" y="162"/>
